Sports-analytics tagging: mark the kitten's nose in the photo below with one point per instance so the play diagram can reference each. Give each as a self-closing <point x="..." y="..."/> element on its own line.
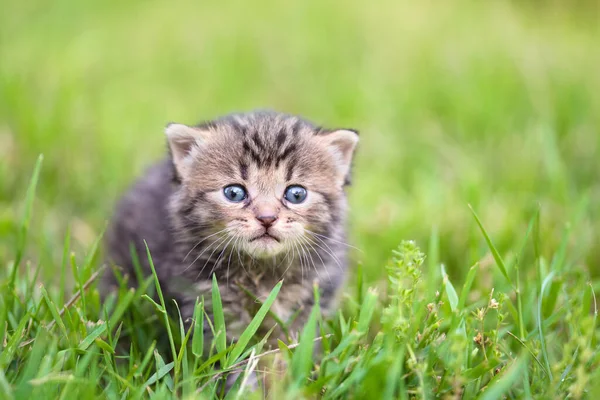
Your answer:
<point x="267" y="220"/>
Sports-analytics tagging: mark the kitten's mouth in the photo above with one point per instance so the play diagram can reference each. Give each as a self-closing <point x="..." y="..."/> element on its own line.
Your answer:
<point x="264" y="236"/>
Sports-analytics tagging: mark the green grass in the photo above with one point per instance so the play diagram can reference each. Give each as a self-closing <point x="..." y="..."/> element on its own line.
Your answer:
<point x="492" y="105"/>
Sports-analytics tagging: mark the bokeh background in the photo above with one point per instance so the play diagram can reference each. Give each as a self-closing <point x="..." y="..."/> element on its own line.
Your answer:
<point x="491" y="103"/>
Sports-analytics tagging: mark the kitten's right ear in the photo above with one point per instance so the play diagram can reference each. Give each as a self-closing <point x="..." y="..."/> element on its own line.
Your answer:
<point x="183" y="140"/>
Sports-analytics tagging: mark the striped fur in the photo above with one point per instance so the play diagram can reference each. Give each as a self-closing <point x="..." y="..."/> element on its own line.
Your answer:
<point x="193" y="231"/>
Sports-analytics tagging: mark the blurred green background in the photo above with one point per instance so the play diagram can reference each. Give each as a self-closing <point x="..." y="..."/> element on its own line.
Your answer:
<point x="492" y="103"/>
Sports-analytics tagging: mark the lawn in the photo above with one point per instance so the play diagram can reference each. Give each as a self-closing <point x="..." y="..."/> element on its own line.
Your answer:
<point x="474" y="203"/>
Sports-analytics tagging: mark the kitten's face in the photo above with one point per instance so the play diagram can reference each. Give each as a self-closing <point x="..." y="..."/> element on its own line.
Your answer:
<point x="264" y="185"/>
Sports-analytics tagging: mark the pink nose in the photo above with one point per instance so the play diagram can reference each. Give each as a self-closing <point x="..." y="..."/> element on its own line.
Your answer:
<point x="267" y="220"/>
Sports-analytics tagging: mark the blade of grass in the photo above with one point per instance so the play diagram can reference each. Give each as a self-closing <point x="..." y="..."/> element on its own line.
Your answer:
<point x="161" y="371"/>
<point x="558" y="261"/>
<point x="467" y="286"/>
<point x="283" y="325"/>
<point x="11" y="347"/>
<point x="522" y="343"/>
<point x="520" y="256"/>
<point x="135" y="260"/>
<point x="302" y="358"/>
<point x="450" y="291"/>
<point x="251" y="329"/>
<point x="501" y="384"/>
<point x="25" y="221"/>
<point x="63" y="265"/>
<point x="394" y="376"/>
<point x="122" y="306"/>
<point x="78" y="278"/>
<point x="367" y="310"/>
<point x="55" y="313"/>
<point x="542" y="338"/>
<point x="198" y="338"/>
<point x="146" y="359"/>
<point x="23" y="387"/>
<point x="219" y="318"/>
<point x="595" y="304"/>
<point x="184" y="339"/>
<point x="162" y="302"/>
<point x="95" y="334"/>
<point x="5" y="387"/>
<point x="491" y="246"/>
<point x="433" y="253"/>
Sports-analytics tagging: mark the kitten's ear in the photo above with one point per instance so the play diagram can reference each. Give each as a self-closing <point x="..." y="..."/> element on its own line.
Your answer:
<point x="182" y="140"/>
<point x="341" y="143"/>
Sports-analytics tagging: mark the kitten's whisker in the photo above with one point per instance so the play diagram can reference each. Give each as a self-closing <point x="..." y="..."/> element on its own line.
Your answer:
<point x="217" y="265"/>
<point x="229" y="260"/>
<point x="209" y="257"/>
<point x="318" y="255"/>
<point x="330" y="252"/>
<point x="333" y="240"/>
<point x="284" y="258"/>
<point x="303" y="253"/>
<point x="201" y="241"/>
<point x="301" y="257"/>
<point x="222" y="253"/>
<point x="312" y="261"/>
<point x="203" y="251"/>
<point x="240" y="260"/>
<point x="299" y="260"/>
<point x="289" y="264"/>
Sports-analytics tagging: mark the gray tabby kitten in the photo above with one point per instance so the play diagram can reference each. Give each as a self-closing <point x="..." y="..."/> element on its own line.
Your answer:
<point x="252" y="198"/>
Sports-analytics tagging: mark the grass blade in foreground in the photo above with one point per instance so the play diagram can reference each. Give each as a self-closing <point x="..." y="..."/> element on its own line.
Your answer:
<point x="219" y="317"/>
<point x="22" y="238"/>
<point x="249" y="332"/>
<point x="497" y="257"/>
<point x="198" y="336"/>
<point x="162" y="302"/>
<point x="417" y="345"/>
<point x="302" y="358"/>
<point x="502" y="383"/>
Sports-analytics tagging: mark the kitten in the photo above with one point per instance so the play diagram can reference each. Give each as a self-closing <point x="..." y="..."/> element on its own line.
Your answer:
<point x="253" y="198"/>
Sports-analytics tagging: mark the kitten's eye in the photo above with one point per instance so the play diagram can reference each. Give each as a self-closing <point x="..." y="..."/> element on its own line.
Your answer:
<point x="235" y="193"/>
<point x="295" y="194"/>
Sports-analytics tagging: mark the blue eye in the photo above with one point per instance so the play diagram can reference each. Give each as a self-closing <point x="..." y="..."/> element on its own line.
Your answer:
<point x="295" y="194"/>
<point x="235" y="193"/>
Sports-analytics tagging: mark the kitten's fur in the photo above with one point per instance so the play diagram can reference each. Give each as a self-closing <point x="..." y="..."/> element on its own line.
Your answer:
<point x="180" y="210"/>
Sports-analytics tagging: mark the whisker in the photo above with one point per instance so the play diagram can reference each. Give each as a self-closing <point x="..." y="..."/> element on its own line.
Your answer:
<point x="333" y="240"/>
<point x="312" y="261"/>
<point x="240" y="260"/>
<point x="284" y="258"/>
<point x="229" y="260"/>
<point x="209" y="257"/>
<point x="299" y="260"/>
<point x="318" y="255"/>
<point x="203" y="251"/>
<point x="216" y="265"/>
<point x="301" y="256"/>
<point x="330" y="252"/>
<point x="291" y="262"/>
<point x="201" y="241"/>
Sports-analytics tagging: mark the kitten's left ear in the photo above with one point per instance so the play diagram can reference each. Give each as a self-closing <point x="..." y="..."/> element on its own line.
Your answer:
<point x="341" y="143"/>
<point x="182" y="140"/>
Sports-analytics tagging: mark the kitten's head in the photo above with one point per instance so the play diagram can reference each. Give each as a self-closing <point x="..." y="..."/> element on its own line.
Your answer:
<point x="264" y="182"/>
